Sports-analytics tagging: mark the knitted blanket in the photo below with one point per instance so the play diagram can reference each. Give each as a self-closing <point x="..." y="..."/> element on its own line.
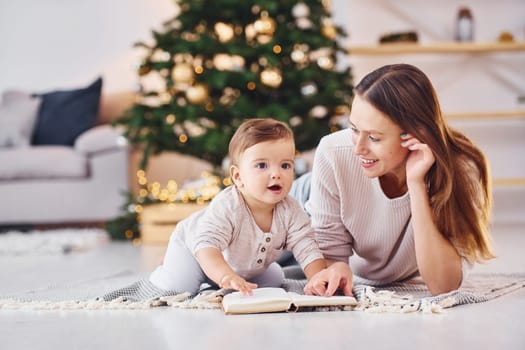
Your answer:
<point x="136" y="292"/>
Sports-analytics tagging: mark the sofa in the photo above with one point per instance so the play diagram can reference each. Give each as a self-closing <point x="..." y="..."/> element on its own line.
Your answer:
<point x="60" y="161"/>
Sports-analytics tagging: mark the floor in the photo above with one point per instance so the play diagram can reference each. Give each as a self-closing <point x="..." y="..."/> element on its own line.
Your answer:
<point x="496" y="324"/>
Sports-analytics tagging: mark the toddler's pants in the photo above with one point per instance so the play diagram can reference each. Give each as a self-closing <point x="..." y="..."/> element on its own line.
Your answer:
<point x="180" y="271"/>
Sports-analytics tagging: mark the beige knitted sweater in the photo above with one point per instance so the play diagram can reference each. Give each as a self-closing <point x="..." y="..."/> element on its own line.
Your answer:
<point x="354" y="220"/>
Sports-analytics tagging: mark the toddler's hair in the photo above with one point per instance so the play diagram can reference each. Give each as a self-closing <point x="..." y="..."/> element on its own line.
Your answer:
<point x="256" y="130"/>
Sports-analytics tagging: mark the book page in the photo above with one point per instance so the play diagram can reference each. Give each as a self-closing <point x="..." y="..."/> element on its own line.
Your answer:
<point x="300" y="300"/>
<point x="278" y="300"/>
<point x="262" y="300"/>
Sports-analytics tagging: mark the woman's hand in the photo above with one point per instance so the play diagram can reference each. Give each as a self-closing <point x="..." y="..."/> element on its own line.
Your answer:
<point x="234" y="281"/>
<point x="327" y="281"/>
<point x="419" y="160"/>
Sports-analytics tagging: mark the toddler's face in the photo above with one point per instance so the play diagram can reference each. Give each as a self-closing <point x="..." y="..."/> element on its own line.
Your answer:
<point x="266" y="172"/>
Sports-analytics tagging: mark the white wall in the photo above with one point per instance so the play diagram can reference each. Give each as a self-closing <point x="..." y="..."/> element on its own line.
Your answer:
<point x="51" y="44"/>
<point x="464" y="82"/>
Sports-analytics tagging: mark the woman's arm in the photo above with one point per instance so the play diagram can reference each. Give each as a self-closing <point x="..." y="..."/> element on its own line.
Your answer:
<point x="314" y="267"/>
<point x="324" y="206"/>
<point x="217" y="269"/>
<point x="437" y="259"/>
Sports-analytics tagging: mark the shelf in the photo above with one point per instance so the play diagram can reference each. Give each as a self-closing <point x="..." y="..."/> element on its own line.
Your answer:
<point x="514" y="181"/>
<point x="444" y="48"/>
<point x="511" y="114"/>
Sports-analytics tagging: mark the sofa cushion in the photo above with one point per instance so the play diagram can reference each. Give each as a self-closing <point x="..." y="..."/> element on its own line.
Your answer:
<point x="18" y="112"/>
<point x="42" y="162"/>
<point x="101" y="138"/>
<point x="65" y="114"/>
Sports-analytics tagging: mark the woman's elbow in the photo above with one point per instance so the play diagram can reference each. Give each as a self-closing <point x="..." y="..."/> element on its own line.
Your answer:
<point x="445" y="285"/>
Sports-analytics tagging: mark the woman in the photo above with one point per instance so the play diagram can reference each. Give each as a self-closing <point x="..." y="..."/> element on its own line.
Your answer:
<point x="400" y="193"/>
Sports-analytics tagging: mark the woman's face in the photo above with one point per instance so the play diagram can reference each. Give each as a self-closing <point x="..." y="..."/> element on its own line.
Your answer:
<point x="377" y="141"/>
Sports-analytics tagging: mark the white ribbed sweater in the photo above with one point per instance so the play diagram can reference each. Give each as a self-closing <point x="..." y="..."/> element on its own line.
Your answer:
<point x="354" y="220"/>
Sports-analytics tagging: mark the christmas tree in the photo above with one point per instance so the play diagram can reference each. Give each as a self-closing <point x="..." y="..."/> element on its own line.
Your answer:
<point x="221" y="61"/>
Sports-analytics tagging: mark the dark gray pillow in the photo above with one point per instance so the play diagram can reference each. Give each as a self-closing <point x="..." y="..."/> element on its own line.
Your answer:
<point x="65" y="114"/>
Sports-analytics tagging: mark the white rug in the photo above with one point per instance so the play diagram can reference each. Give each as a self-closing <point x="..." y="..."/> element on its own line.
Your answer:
<point x="57" y="241"/>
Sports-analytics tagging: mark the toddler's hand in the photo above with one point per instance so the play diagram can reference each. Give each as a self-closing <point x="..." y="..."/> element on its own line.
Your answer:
<point x="233" y="281"/>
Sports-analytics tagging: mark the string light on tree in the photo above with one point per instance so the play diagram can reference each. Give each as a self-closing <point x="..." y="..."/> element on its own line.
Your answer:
<point x="309" y="89"/>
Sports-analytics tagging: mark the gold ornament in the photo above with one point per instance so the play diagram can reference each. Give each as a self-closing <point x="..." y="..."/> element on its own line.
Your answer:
<point x="303" y="23"/>
<point x="227" y="62"/>
<point x="271" y="77"/>
<point x="197" y="94"/>
<point x="193" y="129"/>
<point x="326" y="63"/>
<point x="249" y="32"/>
<point x="265" y="25"/>
<point x="201" y="27"/>
<point x="300" y="10"/>
<point x="298" y="54"/>
<point x="144" y="70"/>
<point x="224" y="31"/>
<point x="222" y="61"/>
<point x="343" y="110"/>
<point x="164" y="97"/>
<point x="160" y="55"/>
<point x="329" y="31"/>
<point x="182" y="73"/>
<point x="319" y="112"/>
<point x="238" y="62"/>
<point x="264" y="39"/>
<point x="296" y="120"/>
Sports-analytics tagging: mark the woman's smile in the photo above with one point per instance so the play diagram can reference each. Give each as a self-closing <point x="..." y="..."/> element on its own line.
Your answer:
<point x="368" y="163"/>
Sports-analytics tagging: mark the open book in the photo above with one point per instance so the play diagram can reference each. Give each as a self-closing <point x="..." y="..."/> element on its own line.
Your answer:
<point x="278" y="300"/>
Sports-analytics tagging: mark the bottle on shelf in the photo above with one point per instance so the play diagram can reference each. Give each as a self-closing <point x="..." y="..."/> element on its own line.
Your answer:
<point x="464" y="25"/>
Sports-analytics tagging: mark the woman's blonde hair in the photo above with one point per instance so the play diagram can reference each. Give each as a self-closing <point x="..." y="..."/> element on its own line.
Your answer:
<point x="459" y="182"/>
